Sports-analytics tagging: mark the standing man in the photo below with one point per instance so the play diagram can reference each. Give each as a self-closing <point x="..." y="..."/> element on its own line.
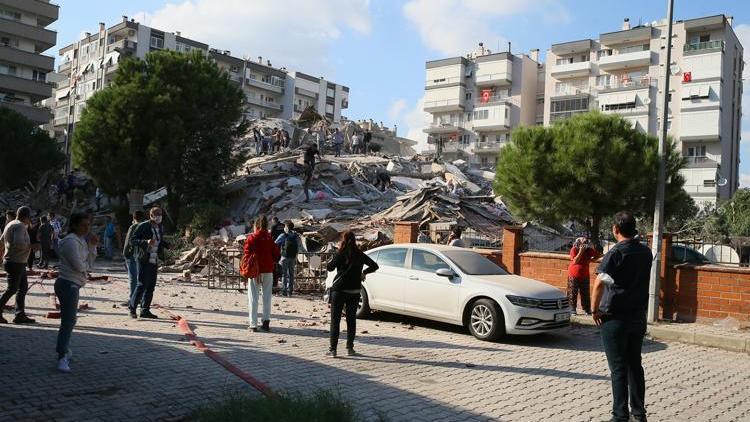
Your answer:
<point x="148" y="246"/>
<point x="309" y="160"/>
<point x="34" y="239"/>
<point x="277" y="229"/>
<point x="366" y="141"/>
<point x="109" y="238"/>
<point x="620" y="304"/>
<point x="338" y="141"/>
<point x="56" y="229"/>
<point x="45" y="235"/>
<point x="356" y="143"/>
<point x="17" y="245"/>
<point x="581" y="254"/>
<point x="131" y="263"/>
<point x="290" y="244"/>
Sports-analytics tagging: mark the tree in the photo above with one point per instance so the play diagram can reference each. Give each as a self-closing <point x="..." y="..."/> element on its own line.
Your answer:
<point x="736" y="213"/>
<point x="170" y="120"/>
<point x="27" y="150"/>
<point x="584" y="169"/>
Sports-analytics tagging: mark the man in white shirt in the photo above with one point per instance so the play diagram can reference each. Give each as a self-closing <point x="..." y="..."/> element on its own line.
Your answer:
<point x="17" y="246"/>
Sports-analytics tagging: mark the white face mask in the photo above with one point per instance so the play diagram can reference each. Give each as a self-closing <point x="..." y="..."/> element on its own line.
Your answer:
<point x="156" y="219"/>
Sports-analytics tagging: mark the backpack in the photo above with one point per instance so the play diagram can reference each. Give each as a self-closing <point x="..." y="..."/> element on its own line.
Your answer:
<point x="249" y="266"/>
<point x="291" y="247"/>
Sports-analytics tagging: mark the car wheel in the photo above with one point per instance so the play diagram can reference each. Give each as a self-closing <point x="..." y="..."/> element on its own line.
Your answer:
<point x="363" y="309"/>
<point x="486" y="321"/>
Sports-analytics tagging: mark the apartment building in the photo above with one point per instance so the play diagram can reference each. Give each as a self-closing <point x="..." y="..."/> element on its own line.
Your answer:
<point x="328" y="98"/>
<point x="23" y="67"/>
<point x="477" y="100"/>
<point x="621" y="72"/>
<point x="89" y="65"/>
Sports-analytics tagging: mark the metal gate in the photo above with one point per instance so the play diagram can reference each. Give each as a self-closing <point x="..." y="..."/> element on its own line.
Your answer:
<point x="224" y="270"/>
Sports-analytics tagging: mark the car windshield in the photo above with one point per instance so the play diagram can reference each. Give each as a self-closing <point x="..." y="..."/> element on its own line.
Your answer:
<point x="473" y="263"/>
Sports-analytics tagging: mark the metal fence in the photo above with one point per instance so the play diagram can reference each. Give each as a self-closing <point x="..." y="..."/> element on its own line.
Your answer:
<point x="543" y="242"/>
<point x="224" y="270"/>
<point x="471" y="237"/>
<point x="697" y="251"/>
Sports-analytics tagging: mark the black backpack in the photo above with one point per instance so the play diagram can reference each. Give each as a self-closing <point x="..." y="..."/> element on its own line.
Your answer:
<point x="290" y="246"/>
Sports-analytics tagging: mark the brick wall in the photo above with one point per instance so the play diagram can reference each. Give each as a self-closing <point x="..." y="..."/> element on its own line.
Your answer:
<point x="551" y="268"/>
<point x="710" y="291"/>
<point x="406" y="232"/>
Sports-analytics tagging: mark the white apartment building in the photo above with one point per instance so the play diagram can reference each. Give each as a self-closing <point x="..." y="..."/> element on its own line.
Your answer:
<point x="621" y="72"/>
<point x="89" y="65"/>
<point x="477" y="100"/>
<point x="23" y="67"/>
<point x="328" y="98"/>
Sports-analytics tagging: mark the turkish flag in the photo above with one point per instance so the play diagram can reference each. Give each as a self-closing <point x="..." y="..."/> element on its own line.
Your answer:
<point x="486" y="95"/>
<point x="687" y="76"/>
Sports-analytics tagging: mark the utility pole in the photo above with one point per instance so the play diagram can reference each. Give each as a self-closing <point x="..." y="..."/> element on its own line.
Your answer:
<point x="654" y="286"/>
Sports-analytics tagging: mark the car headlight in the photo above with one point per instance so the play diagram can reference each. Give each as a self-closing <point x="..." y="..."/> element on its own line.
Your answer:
<point x="525" y="302"/>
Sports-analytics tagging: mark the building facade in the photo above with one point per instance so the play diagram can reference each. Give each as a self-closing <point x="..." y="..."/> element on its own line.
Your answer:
<point x="477" y="100"/>
<point x="23" y="68"/>
<point x="328" y="98"/>
<point x="621" y="72"/>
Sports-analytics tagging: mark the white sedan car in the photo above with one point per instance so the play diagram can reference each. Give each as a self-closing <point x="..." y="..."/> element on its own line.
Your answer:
<point x="459" y="286"/>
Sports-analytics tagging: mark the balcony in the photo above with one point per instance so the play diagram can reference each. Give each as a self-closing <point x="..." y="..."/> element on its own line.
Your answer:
<point x="38" y="115"/>
<point x="571" y="70"/>
<point x="268" y="86"/>
<point x="64" y="67"/>
<point x="14" y="55"/>
<point x="39" y="8"/>
<point x="306" y="93"/>
<point x="572" y="92"/>
<point x="701" y="191"/>
<point x="493" y="79"/>
<point x="700" y="125"/>
<point x="491" y="118"/>
<point x="267" y="104"/>
<point x="437" y="106"/>
<point x="488" y="147"/>
<point x="703" y="47"/>
<point x="699" y="162"/>
<point x="123" y="46"/>
<point x="439" y="128"/>
<point x="452" y="147"/>
<point x="38" y="90"/>
<point x="625" y="60"/>
<point x="41" y="36"/>
<point x="443" y="81"/>
<point x="625" y="85"/>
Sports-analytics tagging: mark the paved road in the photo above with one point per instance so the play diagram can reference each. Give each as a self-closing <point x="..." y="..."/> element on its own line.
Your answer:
<point x="409" y="369"/>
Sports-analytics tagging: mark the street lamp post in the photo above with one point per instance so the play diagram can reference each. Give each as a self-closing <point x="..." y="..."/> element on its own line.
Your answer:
<point x="654" y="285"/>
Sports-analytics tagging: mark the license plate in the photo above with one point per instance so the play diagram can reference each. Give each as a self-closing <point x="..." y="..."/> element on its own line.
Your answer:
<point x="563" y="316"/>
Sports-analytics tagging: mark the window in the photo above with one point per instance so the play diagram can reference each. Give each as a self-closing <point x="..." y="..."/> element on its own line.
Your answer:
<point x="157" y="42"/>
<point x="485" y="161"/>
<point x="481" y="114"/>
<point x="468" y="96"/>
<point x="604" y="53"/>
<point x="329" y="108"/>
<point x="330" y="92"/>
<point x="392" y="257"/>
<point x="709" y="183"/>
<point x="426" y="261"/>
<point x="9" y="42"/>
<point x="507" y="111"/>
<point x="8" y="69"/>
<point x="10" y="14"/>
<point x="603" y="80"/>
<point x="39" y="76"/>
<point x="697" y="151"/>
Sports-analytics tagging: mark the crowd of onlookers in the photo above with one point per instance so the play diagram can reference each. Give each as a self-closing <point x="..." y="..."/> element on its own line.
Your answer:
<point x="270" y="141"/>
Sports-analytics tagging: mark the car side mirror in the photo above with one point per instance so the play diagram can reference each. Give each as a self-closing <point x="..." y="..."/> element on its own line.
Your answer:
<point x="445" y="272"/>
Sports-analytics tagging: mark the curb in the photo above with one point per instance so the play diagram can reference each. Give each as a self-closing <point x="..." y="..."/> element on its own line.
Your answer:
<point x="664" y="332"/>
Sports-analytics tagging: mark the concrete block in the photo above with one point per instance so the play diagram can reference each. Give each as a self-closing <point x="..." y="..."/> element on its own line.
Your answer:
<point x="293" y="182"/>
<point x="272" y="193"/>
<point x="317" y="214"/>
<point x="666" y="333"/>
<point x="347" y="202"/>
<point x="722" y="342"/>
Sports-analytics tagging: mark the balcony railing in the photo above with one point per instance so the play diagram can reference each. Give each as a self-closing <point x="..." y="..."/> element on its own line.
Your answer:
<point x="445" y="127"/>
<point x="561" y="115"/>
<point x="644" y="82"/>
<point x="571" y="91"/>
<point x="443" y="81"/>
<point x="488" y="146"/>
<point x="706" y="45"/>
<point x="700" y="190"/>
<point x="443" y="103"/>
<point x="494" y="99"/>
<point x="122" y="45"/>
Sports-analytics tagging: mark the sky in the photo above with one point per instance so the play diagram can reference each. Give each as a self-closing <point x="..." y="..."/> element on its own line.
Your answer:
<point x="378" y="48"/>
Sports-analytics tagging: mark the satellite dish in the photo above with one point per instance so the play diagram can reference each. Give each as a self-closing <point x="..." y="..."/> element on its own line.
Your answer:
<point x="674" y="69"/>
<point x="721" y="182"/>
<point x="647" y="101"/>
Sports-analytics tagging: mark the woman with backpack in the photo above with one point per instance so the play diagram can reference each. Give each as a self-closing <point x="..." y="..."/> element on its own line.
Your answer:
<point x="261" y="252"/>
<point x="345" y="290"/>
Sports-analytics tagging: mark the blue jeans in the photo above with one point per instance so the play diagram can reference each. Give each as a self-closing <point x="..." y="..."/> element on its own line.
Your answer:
<point x="144" y="290"/>
<point x="67" y="294"/>
<point x="622" y="339"/>
<point x="109" y="247"/>
<point x="287" y="274"/>
<point x="132" y="265"/>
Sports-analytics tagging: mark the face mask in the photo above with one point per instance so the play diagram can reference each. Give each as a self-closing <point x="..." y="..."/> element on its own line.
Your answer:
<point x="157" y="219"/>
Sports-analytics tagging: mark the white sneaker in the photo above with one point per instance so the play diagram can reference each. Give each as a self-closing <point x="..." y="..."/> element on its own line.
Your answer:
<point x="69" y="354"/>
<point x="63" y="365"/>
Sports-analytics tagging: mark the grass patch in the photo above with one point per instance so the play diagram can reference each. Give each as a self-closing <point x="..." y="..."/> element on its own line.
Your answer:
<point x="323" y="406"/>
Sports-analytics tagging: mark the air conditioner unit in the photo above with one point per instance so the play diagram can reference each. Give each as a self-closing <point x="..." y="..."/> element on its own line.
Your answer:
<point x="131" y="33"/>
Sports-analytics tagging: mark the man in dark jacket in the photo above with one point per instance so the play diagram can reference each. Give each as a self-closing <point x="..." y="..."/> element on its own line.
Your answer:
<point x="366" y="141"/>
<point x="148" y="247"/>
<point x="45" y="235"/>
<point x="620" y="299"/>
<point x="131" y="264"/>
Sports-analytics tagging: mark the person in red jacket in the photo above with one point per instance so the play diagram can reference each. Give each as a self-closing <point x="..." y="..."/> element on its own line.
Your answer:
<point x="267" y="254"/>
<point x="581" y="254"/>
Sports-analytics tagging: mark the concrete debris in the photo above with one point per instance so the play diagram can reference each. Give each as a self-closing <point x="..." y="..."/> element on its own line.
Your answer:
<point x="319" y="214"/>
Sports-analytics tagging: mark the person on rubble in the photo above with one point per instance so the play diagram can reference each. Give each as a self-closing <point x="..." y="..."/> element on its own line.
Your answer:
<point x="258" y="141"/>
<point x="77" y="255"/>
<point x="320" y="140"/>
<point x="356" y="143"/>
<point x="148" y="247"/>
<point x="382" y="178"/>
<point x="346" y="289"/>
<point x="338" y="141"/>
<point x="366" y="139"/>
<point x="131" y="264"/>
<point x="290" y="244"/>
<point x="276" y="140"/>
<point x="34" y="239"/>
<point x="455" y="238"/>
<point x="309" y="160"/>
<point x="17" y="246"/>
<point x="45" y="235"/>
<point x="266" y="254"/>
<point x="287" y="140"/>
<point x="277" y="229"/>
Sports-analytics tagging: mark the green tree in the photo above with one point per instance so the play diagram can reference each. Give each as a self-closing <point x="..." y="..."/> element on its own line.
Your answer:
<point x="170" y="120"/>
<point x="26" y="150"/>
<point x="736" y="213"/>
<point x="584" y="169"/>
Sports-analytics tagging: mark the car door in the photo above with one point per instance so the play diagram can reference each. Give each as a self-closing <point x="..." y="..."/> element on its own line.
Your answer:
<point x="385" y="287"/>
<point x="426" y="293"/>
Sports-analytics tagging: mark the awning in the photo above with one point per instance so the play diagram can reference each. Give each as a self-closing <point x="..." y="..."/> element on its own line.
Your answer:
<point x="62" y="93"/>
<point x="622" y="98"/>
<point x="113" y="56"/>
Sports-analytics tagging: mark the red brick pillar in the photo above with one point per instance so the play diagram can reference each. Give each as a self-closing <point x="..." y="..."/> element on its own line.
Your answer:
<point x="405" y="232"/>
<point x="512" y="243"/>
<point x="667" y="284"/>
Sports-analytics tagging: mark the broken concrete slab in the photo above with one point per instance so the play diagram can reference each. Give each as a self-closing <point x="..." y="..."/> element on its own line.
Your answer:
<point x="272" y="193"/>
<point x="347" y="202"/>
<point x="293" y="182"/>
<point x="332" y="231"/>
<point x="316" y="214"/>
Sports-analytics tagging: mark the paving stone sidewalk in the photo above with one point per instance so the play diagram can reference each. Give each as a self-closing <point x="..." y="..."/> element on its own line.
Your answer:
<point x="409" y="369"/>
